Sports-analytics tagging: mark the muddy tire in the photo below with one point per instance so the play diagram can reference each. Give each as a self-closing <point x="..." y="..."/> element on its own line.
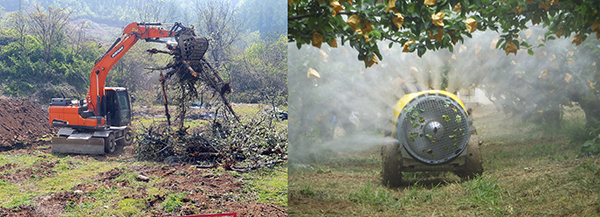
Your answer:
<point x="109" y="144"/>
<point x="473" y="167"/>
<point x="391" y="175"/>
<point x="127" y="137"/>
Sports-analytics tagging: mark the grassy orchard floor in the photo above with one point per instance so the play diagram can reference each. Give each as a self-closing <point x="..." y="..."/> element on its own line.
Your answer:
<point x="35" y="182"/>
<point x="526" y="173"/>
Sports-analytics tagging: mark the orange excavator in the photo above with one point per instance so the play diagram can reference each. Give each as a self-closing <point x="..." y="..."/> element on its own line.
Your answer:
<point x="96" y="125"/>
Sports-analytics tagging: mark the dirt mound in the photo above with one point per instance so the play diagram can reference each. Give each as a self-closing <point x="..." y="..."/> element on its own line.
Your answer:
<point x="22" y="121"/>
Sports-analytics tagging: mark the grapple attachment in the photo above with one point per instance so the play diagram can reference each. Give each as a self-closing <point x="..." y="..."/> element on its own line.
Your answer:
<point x="192" y="47"/>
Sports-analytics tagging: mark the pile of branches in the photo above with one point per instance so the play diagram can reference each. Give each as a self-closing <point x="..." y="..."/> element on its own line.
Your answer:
<point x="252" y="143"/>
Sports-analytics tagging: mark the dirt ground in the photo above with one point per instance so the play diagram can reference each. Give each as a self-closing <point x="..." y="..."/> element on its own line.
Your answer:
<point x="23" y="121"/>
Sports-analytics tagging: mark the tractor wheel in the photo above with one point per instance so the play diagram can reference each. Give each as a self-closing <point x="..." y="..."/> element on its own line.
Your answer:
<point x="473" y="166"/>
<point x="127" y="137"/>
<point x="109" y="144"/>
<point x="392" y="176"/>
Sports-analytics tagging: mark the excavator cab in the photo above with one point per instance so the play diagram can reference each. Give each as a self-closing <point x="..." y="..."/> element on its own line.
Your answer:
<point x="116" y="106"/>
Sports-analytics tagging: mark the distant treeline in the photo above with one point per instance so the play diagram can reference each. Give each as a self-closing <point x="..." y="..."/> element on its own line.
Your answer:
<point x="265" y="16"/>
<point x="43" y="56"/>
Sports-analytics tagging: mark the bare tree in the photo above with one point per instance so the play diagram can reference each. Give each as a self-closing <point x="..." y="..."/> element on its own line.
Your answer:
<point x="154" y="10"/>
<point x="18" y="22"/>
<point x="217" y="21"/>
<point x="48" y="27"/>
<point x="77" y="37"/>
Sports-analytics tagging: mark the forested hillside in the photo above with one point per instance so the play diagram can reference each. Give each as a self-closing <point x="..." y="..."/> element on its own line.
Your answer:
<point x="48" y="47"/>
<point x="259" y="15"/>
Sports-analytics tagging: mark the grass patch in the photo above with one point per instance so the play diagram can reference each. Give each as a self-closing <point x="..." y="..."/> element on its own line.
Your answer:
<point x="373" y="195"/>
<point x="173" y="202"/>
<point x="484" y="193"/>
<point x="130" y="207"/>
<point x="146" y="121"/>
<point x="271" y="185"/>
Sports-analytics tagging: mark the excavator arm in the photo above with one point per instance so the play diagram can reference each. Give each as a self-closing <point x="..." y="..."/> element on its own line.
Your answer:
<point x="131" y="34"/>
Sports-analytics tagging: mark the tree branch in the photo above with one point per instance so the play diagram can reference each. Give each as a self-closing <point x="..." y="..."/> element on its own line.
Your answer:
<point x="315" y="15"/>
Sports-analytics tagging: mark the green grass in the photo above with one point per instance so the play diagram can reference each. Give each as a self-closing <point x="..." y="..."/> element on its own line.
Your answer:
<point x="375" y="196"/>
<point x="484" y="193"/>
<point x="173" y="202"/>
<point x="130" y="207"/>
<point x="528" y="171"/>
<point x="270" y="185"/>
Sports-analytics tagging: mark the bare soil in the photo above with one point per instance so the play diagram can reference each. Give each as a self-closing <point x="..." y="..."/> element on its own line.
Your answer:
<point x="23" y="121"/>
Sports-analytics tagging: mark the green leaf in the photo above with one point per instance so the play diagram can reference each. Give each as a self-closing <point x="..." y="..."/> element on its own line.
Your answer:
<point x="530" y="52"/>
<point x="421" y="50"/>
<point x="499" y="42"/>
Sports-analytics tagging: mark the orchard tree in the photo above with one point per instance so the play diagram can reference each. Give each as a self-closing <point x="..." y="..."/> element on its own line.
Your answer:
<point x="422" y="25"/>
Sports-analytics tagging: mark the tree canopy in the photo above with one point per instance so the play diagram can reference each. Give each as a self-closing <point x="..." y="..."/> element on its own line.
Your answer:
<point x="436" y="24"/>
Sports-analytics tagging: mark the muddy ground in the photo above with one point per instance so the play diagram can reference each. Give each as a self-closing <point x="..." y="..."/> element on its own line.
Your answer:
<point x="23" y="123"/>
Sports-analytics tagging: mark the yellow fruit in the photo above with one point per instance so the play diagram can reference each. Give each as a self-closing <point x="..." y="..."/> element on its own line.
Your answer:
<point x="336" y="7"/>
<point x="438" y="19"/>
<point x="353" y="21"/>
<point x="371" y="60"/>
<point x="457" y="8"/>
<point x="577" y="40"/>
<point x="545" y="4"/>
<point x="391" y="6"/>
<point x="438" y="36"/>
<point x="559" y="32"/>
<point x="398" y="20"/>
<point x="359" y="33"/>
<point x="407" y="45"/>
<point x="510" y="47"/>
<point x="317" y="39"/>
<point x="518" y="10"/>
<point x="430" y="2"/>
<point x="471" y="25"/>
<point x="332" y="43"/>
<point x="366" y="27"/>
<point x="596" y="27"/>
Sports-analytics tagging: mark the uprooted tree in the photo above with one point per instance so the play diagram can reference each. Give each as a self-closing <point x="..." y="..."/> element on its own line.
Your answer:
<point x="227" y="141"/>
